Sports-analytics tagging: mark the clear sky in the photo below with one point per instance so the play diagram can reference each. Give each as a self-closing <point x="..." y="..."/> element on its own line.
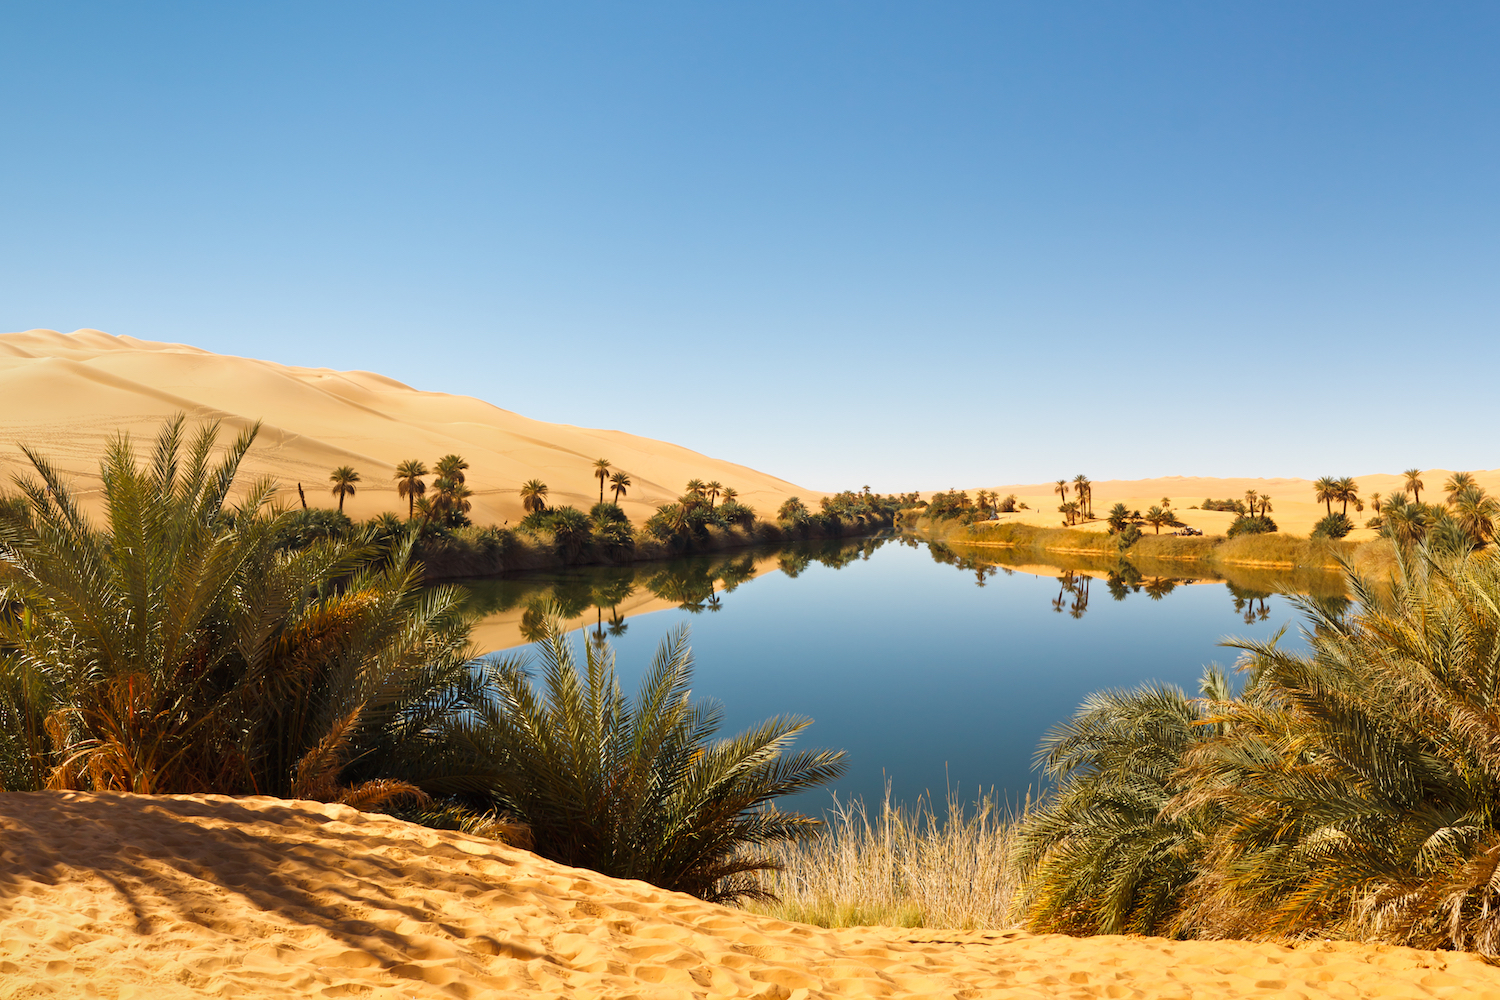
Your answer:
<point x="910" y="245"/>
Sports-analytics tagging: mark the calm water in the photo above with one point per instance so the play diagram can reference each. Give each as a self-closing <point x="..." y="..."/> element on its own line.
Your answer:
<point x="929" y="674"/>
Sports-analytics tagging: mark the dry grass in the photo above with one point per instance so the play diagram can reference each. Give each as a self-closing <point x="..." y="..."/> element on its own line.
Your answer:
<point x="901" y="867"/>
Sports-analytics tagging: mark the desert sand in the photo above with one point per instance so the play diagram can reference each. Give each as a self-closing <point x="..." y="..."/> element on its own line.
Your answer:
<point x="190" y="896"/>
<point x="66" y="394"/>
<point x="1292" y="505"/>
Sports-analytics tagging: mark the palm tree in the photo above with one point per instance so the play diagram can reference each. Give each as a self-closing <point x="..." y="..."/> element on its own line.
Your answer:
<point x="619" y="483"/>
<point x="1414" y="483"/>
<point x="1475" y="512"/>
<point x="1375" y="502"/>
<point x="1252" y="500"/>
<point x="1061" y="489"/>
<point x="713" y="489"/>
<point x="1457" y="483"/>
<point x="1347" y="491"/>
<point x="601" y="473"/>
<point x="695" y="488"/>
<point x="343" y="479"/>
<point x="1326" y="491"/>
<point x="409" y="483"/>
<point x="1084" y="489"/>
<point x="534" y="496"/>
<point x="1358" y="780"/>
<point x="177" y="649"/>
<point x="643" y="788"/>
<point x="1156" y="517"/>
<point x="731" y="494"/>
<point x="1069" y="511"/>
<point x="1405" y="523"/>
<point x="451" y="467"/>
<point x="1101" y="853"/>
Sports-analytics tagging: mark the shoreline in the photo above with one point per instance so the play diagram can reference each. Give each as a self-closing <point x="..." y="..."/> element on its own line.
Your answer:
<point x="454" y="561"/>
<point x="1220" y="556"/>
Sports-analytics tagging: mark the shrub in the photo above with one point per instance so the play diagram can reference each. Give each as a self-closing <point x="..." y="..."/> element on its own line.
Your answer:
<point x="1251" y="526"/>
<point x="643" y="789"/>
<point x="734" y="512"/>
<point x="1335" y="525"/>
<point x="297" y="529"/>
<point x="792" y="509"/>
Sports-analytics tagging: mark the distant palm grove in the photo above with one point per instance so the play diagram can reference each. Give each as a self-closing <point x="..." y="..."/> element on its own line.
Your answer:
<point x="706" y="515"/>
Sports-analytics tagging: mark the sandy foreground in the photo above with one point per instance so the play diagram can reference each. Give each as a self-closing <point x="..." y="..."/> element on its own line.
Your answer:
<point x="190" y="896"/>
<point x="67" y="394"/>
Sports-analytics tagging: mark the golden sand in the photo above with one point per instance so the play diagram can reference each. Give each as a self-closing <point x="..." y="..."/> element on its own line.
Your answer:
<point x="66" y="394"/>
<point x="191" y="896"/>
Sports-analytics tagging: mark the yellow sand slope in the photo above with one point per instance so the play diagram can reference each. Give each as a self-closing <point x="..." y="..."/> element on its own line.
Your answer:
<point x="66" y="394"/>
<point x="179" y="897"/>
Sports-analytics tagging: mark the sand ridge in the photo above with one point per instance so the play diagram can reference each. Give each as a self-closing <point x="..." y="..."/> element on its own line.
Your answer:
<point x="66" y="394"/>
<point x="114" y="895"/>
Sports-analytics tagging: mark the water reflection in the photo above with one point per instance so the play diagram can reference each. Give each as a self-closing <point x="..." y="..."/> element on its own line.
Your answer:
<point x="603" y="598"/>
<point x="1250" y="588"/>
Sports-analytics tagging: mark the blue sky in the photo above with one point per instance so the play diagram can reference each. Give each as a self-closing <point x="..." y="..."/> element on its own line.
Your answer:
<point x="910" y="245"/>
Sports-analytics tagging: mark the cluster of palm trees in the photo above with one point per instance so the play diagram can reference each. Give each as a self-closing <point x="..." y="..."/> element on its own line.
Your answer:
<point x="1467" y="519"/>
<point x="986" y="500"/>
<point x="176" y="649"/>
<point x="1081" y="509"/>
<point x="1330" y="490"/>
<point x="450" y="500"/>
<point x="1347" y="791"/>
<point x="619" y="482"/>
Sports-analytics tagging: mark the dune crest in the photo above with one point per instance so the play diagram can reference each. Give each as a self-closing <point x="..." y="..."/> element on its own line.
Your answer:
<point x="66" y="394"/>
<point x="185" y="896"/>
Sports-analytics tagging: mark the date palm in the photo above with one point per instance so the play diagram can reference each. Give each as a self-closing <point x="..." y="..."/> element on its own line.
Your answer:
<point x="1375" y="502"/>
<point x="451" y="467"/>
<point x="601" y="473"/>
<point x="533" y="495"/>
<point x="1101" y="853"/>
<point x="343" y="479"/>
<point x="177" y="649"/>
<point x="409" y="484"/>
<point x="695" y="488"/>
<point x="642" y="788"/>
<point x="1084" y="489"/>
<point x="1326" y="491"/>
<point x="1348" y="492"/>
<point x="1414" y="483"/>
<point x="619" y="485"/>
<point x="1457" y="483"/>
<point x="1357" y="781"/>
<point x="713" y="488"/>
<point x="1061" y="489"/>
<point x="1475" y="512"/>
<point x="731" y="494"/>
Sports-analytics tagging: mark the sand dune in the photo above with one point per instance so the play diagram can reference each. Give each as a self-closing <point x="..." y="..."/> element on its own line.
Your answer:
<point x="66" y="394"/>
<point x="176" y="896"/>
<point x="1292" y="505"/>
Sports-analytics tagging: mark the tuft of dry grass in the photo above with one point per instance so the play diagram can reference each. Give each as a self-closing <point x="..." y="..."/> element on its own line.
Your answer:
<point x="901" y="867"/>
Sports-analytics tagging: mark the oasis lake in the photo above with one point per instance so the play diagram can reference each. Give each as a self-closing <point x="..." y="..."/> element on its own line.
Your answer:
<point x="933" y="670"/>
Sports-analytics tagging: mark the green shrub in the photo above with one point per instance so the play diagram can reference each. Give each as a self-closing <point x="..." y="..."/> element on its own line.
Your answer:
<point x="297" y="529"/>
<point x="1335" y="525"/>
<point x="1251" y="526"/>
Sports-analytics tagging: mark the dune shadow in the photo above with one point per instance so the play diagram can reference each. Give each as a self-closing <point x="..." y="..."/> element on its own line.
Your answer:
<point x="182" y="855"/>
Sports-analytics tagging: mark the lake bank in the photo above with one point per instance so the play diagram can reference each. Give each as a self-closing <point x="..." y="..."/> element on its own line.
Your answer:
<point x="1275" y="554"/>
<point x="473" y="555"/>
